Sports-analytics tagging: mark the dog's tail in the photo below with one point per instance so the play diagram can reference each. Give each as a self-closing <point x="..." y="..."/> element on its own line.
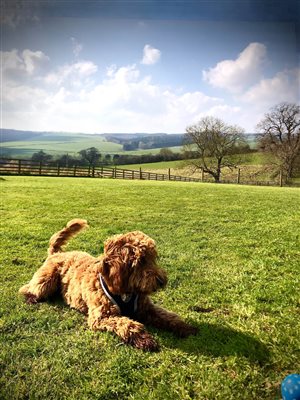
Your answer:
<point x="60" y="238"/>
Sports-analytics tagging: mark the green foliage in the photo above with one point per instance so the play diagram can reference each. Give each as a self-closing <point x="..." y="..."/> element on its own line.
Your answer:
<point x="230" y="250"/>
<point x="91" y="156"/>
<point x="41" y="156"/>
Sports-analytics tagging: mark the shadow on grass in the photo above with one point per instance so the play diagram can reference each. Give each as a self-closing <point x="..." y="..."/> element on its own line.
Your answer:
<point x="216" y="340"/>
<point x="211" y="340"/>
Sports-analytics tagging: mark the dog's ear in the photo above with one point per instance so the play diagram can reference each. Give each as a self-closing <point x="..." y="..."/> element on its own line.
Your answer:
<point x="129" y="248"/>
<point x="119" y="249"/>
<point x="105" y="268"/>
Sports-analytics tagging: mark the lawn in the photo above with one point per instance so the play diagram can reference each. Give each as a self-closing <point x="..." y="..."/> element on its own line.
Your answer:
<point x="230" y="250"/>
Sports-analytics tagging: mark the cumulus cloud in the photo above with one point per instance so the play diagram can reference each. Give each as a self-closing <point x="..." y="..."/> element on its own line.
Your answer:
<point x="236" y="75"/>
<point x="27" y="62"/>
<point x="122" y="100"/>
<point x="150" y="55"/>
<point x="72" y="74"/>
<point x="284" y="86"/>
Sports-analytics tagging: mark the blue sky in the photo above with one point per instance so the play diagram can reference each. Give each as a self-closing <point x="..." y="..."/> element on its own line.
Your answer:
<point x="145" y="66"/>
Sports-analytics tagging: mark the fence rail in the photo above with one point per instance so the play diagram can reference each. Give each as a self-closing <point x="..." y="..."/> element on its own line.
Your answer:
<point x="28" y="167"/>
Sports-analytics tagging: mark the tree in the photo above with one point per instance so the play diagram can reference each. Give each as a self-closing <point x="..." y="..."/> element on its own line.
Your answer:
<point x="116" y="158"/>
<point x="212" y="143"/>
<point x="67" y="161"/>
<point x="41" y="156"/>
<point x="280" y="136"/>
<point x="91" y="155"/>
<point x="107" y="159"/>
<point x="166" y="154"/>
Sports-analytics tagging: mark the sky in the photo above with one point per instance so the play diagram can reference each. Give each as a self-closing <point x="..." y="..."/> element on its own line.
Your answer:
<point x="113" y="66"/>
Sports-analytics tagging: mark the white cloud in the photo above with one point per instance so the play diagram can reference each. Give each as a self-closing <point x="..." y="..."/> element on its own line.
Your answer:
<point x="236" y="75"/>
<point x="124" y="101"/>
<point x="284" y="86"/>
<point x="73" y="74"/>
<point x="34" y="60"/>
<point x="28" y="62"/>
<point x="150" y="55"/>
<point x="73" y="97"/>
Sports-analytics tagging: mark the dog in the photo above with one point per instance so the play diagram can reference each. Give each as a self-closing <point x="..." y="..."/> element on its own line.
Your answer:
<point x="112" y="289"/>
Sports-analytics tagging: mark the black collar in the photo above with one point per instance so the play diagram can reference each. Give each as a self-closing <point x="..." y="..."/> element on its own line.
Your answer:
<point x="127" y="304"/>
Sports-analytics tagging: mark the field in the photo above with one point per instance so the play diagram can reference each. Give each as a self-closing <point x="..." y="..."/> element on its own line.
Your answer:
<point x="253" y="167"/>
<point x="57" y="144"/>
<point x="232" y="251"/>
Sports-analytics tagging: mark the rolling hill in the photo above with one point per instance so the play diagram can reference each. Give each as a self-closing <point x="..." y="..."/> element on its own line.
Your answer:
<point x="22" y="144"/>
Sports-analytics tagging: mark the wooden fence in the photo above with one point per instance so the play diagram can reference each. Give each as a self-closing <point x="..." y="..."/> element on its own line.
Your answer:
<point x="27" y="167"/>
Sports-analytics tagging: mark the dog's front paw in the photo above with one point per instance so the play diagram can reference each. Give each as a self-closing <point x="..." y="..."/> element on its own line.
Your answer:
<point x="143" y="341"/>
<point x="186" y="330"/>
<point x="30" y="298"/>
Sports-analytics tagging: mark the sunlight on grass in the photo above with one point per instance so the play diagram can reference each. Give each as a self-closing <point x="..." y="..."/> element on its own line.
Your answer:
<point x="232" y="256"/>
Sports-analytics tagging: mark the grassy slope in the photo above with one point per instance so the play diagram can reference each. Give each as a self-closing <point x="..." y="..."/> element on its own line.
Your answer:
<point x="59" y="144"/>
<point x="247" y="159"/>
<point x="234" y="249"/>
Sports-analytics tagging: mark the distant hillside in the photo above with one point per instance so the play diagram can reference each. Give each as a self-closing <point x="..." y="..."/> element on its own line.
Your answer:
<point x="22" y="144"/>
<point x="146" y="141"/>
<point x="11" y="135"/>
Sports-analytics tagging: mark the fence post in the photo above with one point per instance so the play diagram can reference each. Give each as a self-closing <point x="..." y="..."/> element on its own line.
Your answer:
<point x="40" y="168"/>
<point x="238" y="175"/>
<point x="93" y="171"/>
<point x="75" y="166"/>
<point x="19" y="167"/>
<point x="58" y="169"/>
<point x="169" y="174"/>
<point x="141" y="175"/>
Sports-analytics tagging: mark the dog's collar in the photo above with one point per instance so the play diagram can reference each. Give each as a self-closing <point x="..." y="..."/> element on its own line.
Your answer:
<point x="127" y="304"/>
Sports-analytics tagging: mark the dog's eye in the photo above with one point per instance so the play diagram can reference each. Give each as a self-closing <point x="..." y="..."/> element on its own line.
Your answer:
<point x="143" y="260"/>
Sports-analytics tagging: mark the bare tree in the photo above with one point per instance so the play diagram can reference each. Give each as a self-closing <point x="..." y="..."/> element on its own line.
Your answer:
<point x="280" y="136"/>
<point x="210" y="144"/>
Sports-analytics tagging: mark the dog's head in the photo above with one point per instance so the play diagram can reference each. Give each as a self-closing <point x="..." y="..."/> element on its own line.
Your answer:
<point x="129" y="264"/>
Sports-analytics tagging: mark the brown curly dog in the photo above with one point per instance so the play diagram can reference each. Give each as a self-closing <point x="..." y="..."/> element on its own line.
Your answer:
<point x="112" y="289"/>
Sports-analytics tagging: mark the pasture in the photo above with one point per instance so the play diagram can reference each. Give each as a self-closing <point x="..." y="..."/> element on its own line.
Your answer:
<point x="232" y="257"/>
<point x="58" y="144"/>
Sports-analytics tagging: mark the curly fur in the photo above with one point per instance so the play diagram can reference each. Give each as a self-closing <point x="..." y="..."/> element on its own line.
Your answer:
<point x="128" y="265"/>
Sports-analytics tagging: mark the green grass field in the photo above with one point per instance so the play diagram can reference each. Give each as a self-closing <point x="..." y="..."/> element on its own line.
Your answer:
<point x="231" y="249"/>
<point x="58" y="144"/>
<point x="247" y="159"/>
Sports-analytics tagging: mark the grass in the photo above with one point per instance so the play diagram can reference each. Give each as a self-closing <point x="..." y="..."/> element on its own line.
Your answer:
<point x="232" y="249"/>
<point x="253" y="167"/>
<point x="58" y="144"/>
